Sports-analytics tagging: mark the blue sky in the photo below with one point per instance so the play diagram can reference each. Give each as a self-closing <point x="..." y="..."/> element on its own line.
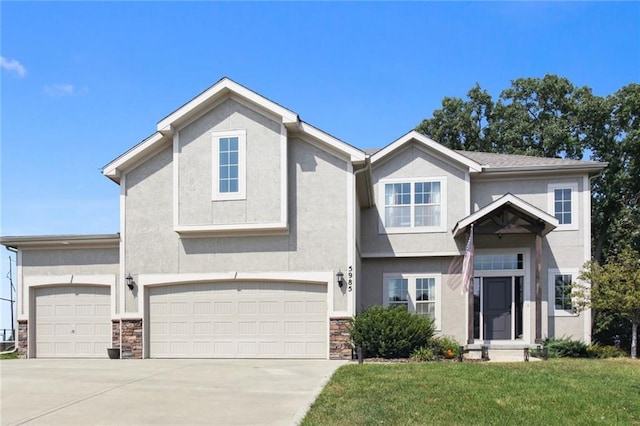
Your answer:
<point x="83" y="82"/>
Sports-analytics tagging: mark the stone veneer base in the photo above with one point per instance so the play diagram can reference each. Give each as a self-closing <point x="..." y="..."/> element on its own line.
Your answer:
<point x="131" y="339"/>
<point x="340" y="338"/>
<point x="23" y="339"/>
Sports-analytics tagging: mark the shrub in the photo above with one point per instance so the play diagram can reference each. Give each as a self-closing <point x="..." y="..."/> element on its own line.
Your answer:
<point x="604" y="351"/>
<point x="564" y="347"/>
<point x="423" y="354"/>
<point x="446" y="346"/>
<point x="390" y="332"/>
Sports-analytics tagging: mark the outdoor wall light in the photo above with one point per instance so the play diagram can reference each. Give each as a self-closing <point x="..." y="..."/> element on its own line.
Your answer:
<point x="340" y="277"/>
<point x="130" y="282"/>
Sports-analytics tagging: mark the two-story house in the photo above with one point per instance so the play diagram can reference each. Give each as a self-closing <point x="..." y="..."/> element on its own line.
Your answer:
<point x="246" y="232"/>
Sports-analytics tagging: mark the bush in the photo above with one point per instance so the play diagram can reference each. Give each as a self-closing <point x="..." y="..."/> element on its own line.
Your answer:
<point x="423" y="354"/>
<point x="446" y="346"/>
<point x="564" y="347"/>
<point x="605" y="351"/>
<point x="390" y="332"/>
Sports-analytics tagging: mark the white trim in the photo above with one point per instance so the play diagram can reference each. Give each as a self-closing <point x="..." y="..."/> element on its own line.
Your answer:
<point x="176" y="179"/>
<point x="284" y="176"/>
<point x="586" y="223"/>
<point x="523" y="206"/>
<point x="429" y="143"/>
<point x="352" y="153"/>
<point x="223" y="88"/>
<point x="551" y="287"/>
<point x="372" y="254"/>
<point x="246" y="229"/>
<point x="467" y="194"/>
<point x="573" y="186"/>
<point x="383" y="229"/>
<point x="411" y="288"/>
<point x="114" y="169"/>
<point x="241" y="194"/>
<point x="20" y="302"/>
<point x="123" y="250"/>
<point x="351" y="239"/>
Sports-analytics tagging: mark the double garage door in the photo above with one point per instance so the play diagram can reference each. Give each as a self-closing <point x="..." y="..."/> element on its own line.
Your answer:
<point x="72" y="321"/>
<point x="238" y="320"/>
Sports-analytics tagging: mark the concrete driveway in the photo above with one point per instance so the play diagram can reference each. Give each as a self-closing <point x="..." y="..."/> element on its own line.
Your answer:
<point x="160" y="392"/>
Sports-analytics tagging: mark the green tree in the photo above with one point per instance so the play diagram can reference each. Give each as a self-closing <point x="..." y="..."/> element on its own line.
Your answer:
<point x="613" y="287"/>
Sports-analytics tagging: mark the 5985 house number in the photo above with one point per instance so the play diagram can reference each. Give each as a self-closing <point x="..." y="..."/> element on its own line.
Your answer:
<point x="350" y="278"/>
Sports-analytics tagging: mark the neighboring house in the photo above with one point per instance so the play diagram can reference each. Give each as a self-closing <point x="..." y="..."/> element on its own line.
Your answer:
<point x="248" y="233"/>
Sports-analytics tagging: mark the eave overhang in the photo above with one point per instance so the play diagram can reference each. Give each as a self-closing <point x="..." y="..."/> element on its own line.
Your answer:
<point x="414" y="136"/>
<point x="547" y="222"/>
<point x="61" y="241"/>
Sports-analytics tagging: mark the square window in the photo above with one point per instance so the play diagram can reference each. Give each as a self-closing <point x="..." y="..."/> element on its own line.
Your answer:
<point x="413" y="205"/>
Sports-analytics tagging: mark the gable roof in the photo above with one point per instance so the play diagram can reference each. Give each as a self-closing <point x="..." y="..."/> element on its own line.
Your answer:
<point x="550" y="222"/>
<point x="197" y="106"/>
<point x="414" y="136"/>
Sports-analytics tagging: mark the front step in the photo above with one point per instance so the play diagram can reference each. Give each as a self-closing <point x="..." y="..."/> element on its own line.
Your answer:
<point x="500" y="353"/>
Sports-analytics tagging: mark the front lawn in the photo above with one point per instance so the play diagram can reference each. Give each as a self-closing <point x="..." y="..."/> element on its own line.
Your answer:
<point x="563" y="391"/>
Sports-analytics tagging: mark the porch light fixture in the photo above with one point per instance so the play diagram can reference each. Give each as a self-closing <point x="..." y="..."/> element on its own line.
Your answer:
<point x="129" y="280"/>
<point x="340" y="277"/>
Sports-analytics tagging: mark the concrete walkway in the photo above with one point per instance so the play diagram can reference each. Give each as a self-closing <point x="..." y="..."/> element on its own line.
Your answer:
<point x="160" y="392"/>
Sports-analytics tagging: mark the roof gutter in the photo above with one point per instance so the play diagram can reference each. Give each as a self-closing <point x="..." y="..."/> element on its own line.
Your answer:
<point x="366" y="168"/>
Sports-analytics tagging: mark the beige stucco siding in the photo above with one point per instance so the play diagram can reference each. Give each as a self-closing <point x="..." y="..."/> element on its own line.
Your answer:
<point x="86" y="261"/>
<point x="151" y="244"/>
<point x="263" y="170"/>
<point x="316" y="241"/>
<point x="453" y="303"/>
<point x="412" y="163"/>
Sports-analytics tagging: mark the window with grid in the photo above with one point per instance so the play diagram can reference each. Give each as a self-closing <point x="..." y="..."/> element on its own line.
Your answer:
<point x="563" y="292"/>
<point x="413" y="204"/>
<point x="562" y="205"/>
<point x="426" y="296"/>
<point x="398" y="292"/>
<point x="229" y="165"/>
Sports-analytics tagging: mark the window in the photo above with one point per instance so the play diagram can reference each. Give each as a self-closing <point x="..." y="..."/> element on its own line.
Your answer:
<point x="563" y="204"/>
<point x="560" y="284"/>
<point x="416" y="203"/>
<point x="229" y="165"/>
<point x="498" y="262"/>
<point x="563" y="291"/>
<point x="417" y="293"/>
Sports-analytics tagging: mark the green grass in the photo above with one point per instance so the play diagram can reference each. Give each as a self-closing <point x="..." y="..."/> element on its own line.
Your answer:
<point x="555" y="392"/>
<point x="13" y="355"/>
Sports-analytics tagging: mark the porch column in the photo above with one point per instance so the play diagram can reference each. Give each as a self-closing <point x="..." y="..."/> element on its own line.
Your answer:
<point x="538" y="338"/>
<point x="470" y="318"/>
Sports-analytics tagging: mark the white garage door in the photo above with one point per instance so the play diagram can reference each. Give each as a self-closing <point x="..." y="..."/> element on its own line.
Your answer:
<point x="238" y="320"/>
<point x="72" y="321"/>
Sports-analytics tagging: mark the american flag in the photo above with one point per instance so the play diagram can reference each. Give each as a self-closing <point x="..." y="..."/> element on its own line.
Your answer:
<point x="467" y="264"/>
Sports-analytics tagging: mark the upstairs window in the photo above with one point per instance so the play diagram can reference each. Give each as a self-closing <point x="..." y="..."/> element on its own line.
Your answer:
<point x="414" y="204"/>
<point x="563" y="204"/>
<point x="229" y="165"/>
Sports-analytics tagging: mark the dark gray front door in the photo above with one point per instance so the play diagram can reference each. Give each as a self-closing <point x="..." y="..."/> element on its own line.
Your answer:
<point x="496" y="306"/>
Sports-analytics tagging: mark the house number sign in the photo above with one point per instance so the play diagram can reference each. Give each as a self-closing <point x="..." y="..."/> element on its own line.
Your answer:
<point x="350" y="279"/>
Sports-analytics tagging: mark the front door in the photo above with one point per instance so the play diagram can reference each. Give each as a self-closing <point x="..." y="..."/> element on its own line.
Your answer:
<point x="496" y="310"/>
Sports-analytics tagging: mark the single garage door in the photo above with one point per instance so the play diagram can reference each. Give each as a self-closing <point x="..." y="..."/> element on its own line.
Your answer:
<point x="238" y="320"/>
<point x="72" y="321"/>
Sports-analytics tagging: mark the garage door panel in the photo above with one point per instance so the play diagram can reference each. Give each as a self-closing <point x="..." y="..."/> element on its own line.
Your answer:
<point x="240" y="320"/>
<point x="72" y="321"/>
